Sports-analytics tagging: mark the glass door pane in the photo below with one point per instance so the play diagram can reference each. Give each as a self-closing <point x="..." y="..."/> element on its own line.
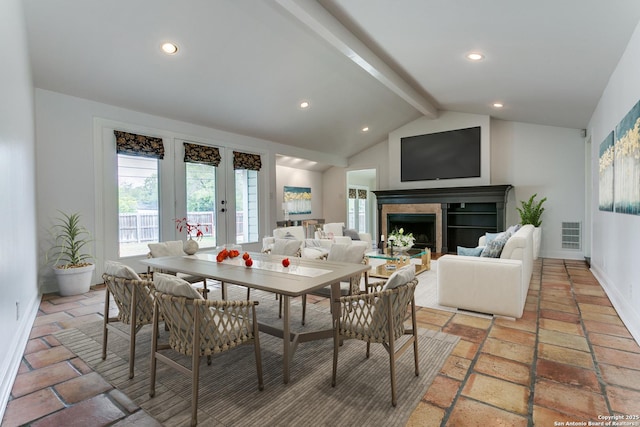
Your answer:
<point x="201" y="201"/>
<point x="138" y="219"/>
<point x="246" y="206"/>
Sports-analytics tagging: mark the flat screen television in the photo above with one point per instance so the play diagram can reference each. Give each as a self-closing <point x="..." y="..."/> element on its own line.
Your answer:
<point x="442" y="155"/>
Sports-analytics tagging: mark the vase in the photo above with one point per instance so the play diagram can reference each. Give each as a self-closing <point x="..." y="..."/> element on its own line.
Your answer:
<point x="190" y="246"/>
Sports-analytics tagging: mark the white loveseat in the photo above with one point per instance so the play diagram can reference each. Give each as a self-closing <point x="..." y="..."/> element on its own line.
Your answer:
<point x="489" y="285"/>
<point x="335" y="231"/>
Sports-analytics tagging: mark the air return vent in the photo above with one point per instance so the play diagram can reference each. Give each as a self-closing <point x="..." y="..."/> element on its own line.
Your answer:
<point x="571" y="235"/>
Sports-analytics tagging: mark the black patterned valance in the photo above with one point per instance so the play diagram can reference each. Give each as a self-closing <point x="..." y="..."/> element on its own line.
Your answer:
<point x="138" y="145"/>
<point x="246" y="161"/>
<point x="356" y="193"/>
<point x="196" y="153"/>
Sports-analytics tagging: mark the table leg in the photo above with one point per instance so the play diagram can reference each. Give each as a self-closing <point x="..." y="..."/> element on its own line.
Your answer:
<point x="286" y="338"/>
<point x="335" y="306"/>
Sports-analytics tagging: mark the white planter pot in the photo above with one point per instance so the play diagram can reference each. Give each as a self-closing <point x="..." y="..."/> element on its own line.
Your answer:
<point x="74" y="281"/>
<point x="537" y="239"/>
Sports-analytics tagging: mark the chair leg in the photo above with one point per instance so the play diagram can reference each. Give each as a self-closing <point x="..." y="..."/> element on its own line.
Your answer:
<point x="132" y="330"/>
<point x="304" y="307"/>
<point x="391" y="348"/>
<point x="154" y="348"/>
<point x="256" y="348"/>
<point x="105" y="330"/>
<point x="248" y="294"/>
<point x="223" y="287"/>
<point x="279" y="307"/>
<point x="414" y="325"/>
<point x="336" y="346"/>
<point x="195" y="368"/>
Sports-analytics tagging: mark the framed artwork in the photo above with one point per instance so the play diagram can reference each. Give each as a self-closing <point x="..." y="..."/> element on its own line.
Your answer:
<point x="605" y="174"/>
<point x="626" y="177"/>
<point x="297" y="200"/>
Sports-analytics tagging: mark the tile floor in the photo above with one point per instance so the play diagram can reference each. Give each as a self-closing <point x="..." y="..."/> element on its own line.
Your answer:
<point x="568" y="359"/>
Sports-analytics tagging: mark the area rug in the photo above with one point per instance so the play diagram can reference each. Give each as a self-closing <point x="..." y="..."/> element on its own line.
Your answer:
<point x="229" y="393"/>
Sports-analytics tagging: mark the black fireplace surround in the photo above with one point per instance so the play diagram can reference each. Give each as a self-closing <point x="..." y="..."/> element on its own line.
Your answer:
<point x="467" y="213"/>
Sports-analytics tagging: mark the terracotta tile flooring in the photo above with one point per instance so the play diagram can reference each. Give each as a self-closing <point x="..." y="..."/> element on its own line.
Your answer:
<point x="568" y="359"/>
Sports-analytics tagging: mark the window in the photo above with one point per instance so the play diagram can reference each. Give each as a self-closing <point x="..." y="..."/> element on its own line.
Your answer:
<point x="138" y="219"/>
<point x="357" y="217"/>
<point x="246" y="183"/>
<point x="201" y="200"/>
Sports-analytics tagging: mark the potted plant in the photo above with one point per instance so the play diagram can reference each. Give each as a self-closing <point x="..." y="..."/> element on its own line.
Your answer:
<point x="71" y="263"/>
<point x="531" y="213"/>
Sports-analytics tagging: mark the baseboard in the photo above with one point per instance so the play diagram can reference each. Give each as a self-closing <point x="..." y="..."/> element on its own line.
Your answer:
<point x="11" y="365"/>
<point x="629" y="316"/>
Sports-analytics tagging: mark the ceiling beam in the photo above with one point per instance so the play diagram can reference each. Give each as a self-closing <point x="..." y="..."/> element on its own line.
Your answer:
<point x="318" y="19"/>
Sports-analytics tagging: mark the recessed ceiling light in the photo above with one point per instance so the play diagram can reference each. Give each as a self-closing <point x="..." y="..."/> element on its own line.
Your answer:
<point x="304" y="104"/>
<point x="475" y="56"/>
<point x="169" y="48"/>
<point x="365" y="129"/>
<point x="498" y="104"/>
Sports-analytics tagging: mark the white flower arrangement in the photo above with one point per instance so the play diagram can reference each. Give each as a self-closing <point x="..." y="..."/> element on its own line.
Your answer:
<point x="397" y="238"/>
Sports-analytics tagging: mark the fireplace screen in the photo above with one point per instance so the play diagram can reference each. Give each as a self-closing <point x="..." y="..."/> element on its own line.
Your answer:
<point x="423" y="227"/>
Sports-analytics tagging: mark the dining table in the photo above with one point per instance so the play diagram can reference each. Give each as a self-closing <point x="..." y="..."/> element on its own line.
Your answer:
<point x="267" y="273"/>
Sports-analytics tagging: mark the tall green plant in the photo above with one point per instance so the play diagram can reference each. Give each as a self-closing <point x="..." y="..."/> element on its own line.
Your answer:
<point x="531" y="211"/>
<point x="70" y="239"/>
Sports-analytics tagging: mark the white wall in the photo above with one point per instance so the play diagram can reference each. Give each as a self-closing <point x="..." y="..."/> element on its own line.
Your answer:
<point x="534" y="159"/>
<point x="447" y="120"/>
<point x="18" y="261"/>
<point x="69" y="129"/>
<point x="616" y="237"/>
<point x="548" y="161"/>
<point x="292" y="177"/>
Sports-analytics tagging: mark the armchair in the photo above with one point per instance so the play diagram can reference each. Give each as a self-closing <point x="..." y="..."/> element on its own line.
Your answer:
<point x="199" y="328"/>
<point x="132" y="295"/>
<point x="173" y="248"/>
<point x="379" y="318"/>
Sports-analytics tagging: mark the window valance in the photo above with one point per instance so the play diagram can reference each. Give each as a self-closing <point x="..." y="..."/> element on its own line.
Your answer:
<point x="246" y="161"/>
<point x="139" y="145"/>
<point x="356" y="193"/>
<point x="196" y="153"/>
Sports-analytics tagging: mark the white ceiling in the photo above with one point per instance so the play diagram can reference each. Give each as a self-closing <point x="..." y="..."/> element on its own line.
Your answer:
<point x="245" y="65"/>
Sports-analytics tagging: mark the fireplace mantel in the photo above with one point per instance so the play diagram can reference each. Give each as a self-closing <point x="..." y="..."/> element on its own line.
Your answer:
<point x="466" y="212"/>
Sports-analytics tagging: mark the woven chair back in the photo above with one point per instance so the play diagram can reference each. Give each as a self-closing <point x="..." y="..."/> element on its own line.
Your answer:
<point x="223" y="325"/>
<point x="122" y="290"/>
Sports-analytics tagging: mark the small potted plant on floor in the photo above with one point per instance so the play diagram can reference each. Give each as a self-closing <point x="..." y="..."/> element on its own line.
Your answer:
<point x="71" y="263"/>
<point x="531" y="213"/>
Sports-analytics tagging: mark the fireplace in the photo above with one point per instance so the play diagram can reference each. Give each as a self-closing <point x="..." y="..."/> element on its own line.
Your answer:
<point x="462" y="214"/>
<point x="421" y="225"/>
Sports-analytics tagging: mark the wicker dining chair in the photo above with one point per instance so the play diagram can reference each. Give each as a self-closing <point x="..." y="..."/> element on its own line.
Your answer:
<point x="378" y="317"/>
<point x="343" y="253"/>
<point x="200" y="328"/>
<point x="132" y="295"/>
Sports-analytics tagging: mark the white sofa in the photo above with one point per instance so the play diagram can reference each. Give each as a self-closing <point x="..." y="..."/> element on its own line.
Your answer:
<point x="489" y="285"/>
<point x="334" y="231"/>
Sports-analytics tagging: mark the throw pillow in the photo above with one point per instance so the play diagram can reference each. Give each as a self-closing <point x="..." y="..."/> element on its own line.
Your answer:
<point x="351" y="233"/>
<point x="117" y="269"/>
<point x="175" y="286"/>
<point x="494" y="248"/>
<point x="490" y="237"/>
<point x="287" y="247"/>
<point x="400" y="277"/>
<point x="513" y="229"/>
<point x="470" y="251"/>
<point x="346" y="253"/>
<point x="171" y="248"/>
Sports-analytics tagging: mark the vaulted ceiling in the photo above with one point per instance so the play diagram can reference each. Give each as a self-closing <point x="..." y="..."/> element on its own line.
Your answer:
<point x="246" y="65"/>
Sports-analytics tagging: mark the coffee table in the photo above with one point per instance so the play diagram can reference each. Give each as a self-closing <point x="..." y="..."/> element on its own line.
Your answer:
<point x="399" y="260"/>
